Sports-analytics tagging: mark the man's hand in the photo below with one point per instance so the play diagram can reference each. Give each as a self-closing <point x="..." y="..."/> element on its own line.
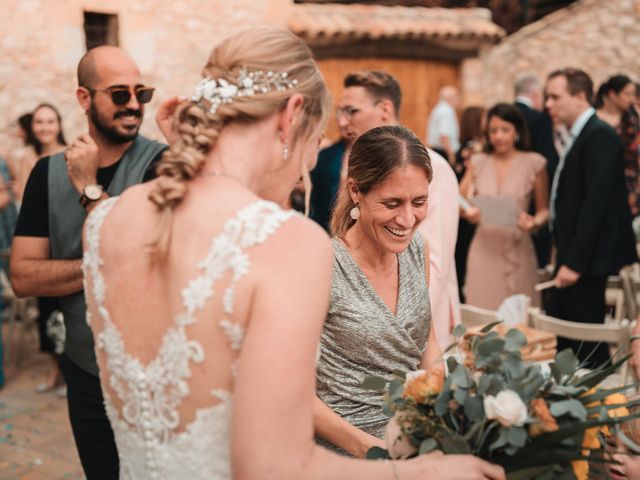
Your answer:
<point x="165" y="121"/>
<point x="566" y="277"/>
<point x="82" y="162"/>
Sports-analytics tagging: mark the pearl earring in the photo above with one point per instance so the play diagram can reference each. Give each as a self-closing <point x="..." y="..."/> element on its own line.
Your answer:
<point x="285" y="152"/>
<point x="355" y="212"/>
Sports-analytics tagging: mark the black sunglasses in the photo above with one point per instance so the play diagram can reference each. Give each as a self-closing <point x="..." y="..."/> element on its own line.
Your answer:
<point x="122" y="95"/>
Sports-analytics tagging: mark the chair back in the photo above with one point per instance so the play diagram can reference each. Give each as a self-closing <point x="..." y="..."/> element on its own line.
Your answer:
<point x="616" y="334"/>
<point x="472" y="316"/>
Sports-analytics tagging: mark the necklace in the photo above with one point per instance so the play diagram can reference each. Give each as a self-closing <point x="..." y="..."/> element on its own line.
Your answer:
<point x="218" y="173"/>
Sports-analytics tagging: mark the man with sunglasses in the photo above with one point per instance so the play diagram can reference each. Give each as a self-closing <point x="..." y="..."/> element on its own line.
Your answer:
<point x="47" y="248"/>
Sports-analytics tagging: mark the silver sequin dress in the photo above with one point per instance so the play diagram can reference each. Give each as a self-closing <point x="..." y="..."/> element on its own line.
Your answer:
<point x="362" y="337"/>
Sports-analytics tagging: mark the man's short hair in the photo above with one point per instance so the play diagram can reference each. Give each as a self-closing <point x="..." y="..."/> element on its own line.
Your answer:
<point x="577" y="81"/>
<point x="379" y="84"/>
<point x="87" y="75"/>
<point x="526" y="83"/>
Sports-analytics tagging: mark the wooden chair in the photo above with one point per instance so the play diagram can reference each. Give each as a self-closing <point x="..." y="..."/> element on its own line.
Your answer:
<point x="615" y="297"/>
<point x="630" y="289"/>
<point x="472" y="316"/>
<point x="616" y="334"/>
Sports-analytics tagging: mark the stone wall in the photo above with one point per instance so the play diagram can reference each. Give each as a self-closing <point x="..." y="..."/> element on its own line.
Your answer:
<point x="41" y="42"/>
<point x="600" y="36"/>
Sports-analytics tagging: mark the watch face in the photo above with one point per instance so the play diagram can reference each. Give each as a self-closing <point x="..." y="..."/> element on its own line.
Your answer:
<point x="93" y="192"/>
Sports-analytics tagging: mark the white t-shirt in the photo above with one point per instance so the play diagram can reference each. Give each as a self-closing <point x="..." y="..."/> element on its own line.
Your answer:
<point x="443" y="121"/>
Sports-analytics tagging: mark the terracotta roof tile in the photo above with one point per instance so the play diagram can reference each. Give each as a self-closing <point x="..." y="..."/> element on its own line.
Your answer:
<point x="326" y="21"/>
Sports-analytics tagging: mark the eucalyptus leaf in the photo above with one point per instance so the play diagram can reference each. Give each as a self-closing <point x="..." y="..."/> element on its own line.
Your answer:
<point x="501" y="441"/>
<point x="515" y="340"/>
<point x="427" y="446"/>
<point x="571" y="407"/>
<point x="555" y="372"/>
<point x="455" y="445"/>
<point x="459" y="330"/>
<point x="517" y="436"/>
<point x="374" y="383"/>
<point x="487" y="328"/>
<point x="459" y="377"/>
<point x="442" y="402"/>
<point x="460" y="395"/>
<point x="376" y="453"/>
<point x="474" y="408"/>
<point x="566" y="361"/>
<point x="487" y="346"/>
<point x="396" y="388"/>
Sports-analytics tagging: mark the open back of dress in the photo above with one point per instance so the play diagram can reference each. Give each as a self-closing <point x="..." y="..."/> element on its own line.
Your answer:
<point x="167" y="355"/>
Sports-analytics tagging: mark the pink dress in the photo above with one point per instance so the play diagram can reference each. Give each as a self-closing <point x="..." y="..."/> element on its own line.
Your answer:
<point x="502" y="260"/>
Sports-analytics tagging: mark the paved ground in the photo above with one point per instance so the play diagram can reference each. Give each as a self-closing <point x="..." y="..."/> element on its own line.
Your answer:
<point x="35" y="437"/>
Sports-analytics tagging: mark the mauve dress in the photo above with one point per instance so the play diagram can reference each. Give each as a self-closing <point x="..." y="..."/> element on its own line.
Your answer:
<point x="362" y="337"/>
<point x="502" y="260"/>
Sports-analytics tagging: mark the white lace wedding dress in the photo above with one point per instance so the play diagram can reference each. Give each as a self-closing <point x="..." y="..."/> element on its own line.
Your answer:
<point x="144" y="402"/>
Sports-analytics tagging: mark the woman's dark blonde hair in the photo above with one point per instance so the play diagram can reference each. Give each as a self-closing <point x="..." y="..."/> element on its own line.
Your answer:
<point x="259" y="49"/>
<point x="373" y="157"/>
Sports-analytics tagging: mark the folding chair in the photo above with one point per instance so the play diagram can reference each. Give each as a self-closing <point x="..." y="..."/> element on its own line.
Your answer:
<point x="616" y="334"/>
<point x="472" y="316"/>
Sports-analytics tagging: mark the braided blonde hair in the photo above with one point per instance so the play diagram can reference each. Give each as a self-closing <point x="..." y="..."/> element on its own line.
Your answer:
<point x="263" y="48"/>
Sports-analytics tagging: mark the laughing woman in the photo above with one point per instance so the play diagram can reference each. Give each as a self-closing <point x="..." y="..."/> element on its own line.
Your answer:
<point x="379" y="318"/>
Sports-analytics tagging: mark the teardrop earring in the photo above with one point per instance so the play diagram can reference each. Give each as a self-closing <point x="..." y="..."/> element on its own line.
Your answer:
<point x="285" y="152"/>
<point x="355" y="212"/>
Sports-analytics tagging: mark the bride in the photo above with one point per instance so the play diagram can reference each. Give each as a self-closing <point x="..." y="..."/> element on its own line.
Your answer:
<point x="206" y="299"/>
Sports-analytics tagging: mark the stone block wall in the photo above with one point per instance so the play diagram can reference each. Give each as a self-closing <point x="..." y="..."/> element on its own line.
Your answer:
<point x="41" y="42"/>
<point x="601" y="37"/>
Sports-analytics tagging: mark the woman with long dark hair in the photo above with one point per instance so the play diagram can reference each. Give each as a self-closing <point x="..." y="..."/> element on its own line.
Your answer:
<point x="614" y="104"/>
<point x="502" y="260"/>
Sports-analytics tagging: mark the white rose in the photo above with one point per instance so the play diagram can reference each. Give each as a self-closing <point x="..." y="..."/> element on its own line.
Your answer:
<point x="398" y="445"/>
<point x="507" y="407"/>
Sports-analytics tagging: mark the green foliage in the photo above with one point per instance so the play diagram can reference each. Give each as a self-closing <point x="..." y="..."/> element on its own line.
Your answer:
<point x="455" y="419"/>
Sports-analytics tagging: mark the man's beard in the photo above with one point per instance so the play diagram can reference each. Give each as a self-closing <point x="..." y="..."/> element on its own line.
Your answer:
<point x="110" y="132"/>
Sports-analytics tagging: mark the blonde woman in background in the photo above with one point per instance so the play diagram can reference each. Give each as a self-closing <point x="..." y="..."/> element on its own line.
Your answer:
<point x="207" y="329"/>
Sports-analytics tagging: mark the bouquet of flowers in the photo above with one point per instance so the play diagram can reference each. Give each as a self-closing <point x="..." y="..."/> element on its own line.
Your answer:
<point x="506" y="411"/>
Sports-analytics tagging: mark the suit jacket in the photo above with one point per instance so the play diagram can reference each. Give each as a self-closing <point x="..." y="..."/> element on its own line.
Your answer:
<point x="325" y="179"/>
<point x="440" y="230"/>
<point x="592" y="226"/>
<point x="541" y="132"/>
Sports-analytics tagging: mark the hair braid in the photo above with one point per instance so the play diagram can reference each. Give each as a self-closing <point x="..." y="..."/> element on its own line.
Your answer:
<point x="263" y="49"/>
<point x="199" y="131"/>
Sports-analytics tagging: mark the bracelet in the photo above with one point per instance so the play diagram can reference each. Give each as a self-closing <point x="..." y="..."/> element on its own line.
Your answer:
<point x="394" y="469"/>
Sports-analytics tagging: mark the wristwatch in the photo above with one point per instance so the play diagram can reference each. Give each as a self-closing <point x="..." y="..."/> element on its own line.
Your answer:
<point x="90" y="193"/>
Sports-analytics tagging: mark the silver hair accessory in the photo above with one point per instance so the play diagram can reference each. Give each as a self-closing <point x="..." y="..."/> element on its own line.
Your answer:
<point x="248" y="84"/>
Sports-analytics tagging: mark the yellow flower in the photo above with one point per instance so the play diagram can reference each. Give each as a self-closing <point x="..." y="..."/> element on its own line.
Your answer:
<point x="616" y="399"/>
<point x="590" y="440"/>
<point x="422" y="384"/>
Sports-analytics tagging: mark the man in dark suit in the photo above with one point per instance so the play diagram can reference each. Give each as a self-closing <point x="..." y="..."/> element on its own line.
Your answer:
<point x="590" y="216"/>
<point x="529" y="100"/>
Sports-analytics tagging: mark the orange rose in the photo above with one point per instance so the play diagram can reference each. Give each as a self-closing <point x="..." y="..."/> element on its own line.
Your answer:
<point x="420" y="385"/>
<point x="547" y="421"/>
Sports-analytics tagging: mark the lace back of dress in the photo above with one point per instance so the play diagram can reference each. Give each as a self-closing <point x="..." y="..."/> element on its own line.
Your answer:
<point x="159" y="409"/>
